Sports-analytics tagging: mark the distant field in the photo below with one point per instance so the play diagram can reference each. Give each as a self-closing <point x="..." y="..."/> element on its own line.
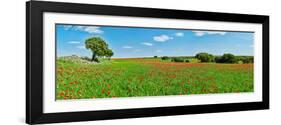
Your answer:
<point x="149" y="77"/>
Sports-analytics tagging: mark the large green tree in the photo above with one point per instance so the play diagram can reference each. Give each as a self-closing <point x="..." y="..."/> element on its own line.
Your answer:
<point x="109" y="53"/>
<point x="98" y="47"/>
<point x="228" y="58"/>
<point x="205" y="57"/>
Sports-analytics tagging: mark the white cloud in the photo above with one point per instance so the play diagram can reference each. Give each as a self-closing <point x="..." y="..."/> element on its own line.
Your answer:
<point x="88" y="29"/>
<point x="127" y="47"/>
<point x="179" y="34"/>
<point x="159" y="51"/>
<point x="93" y="29"/>
<point x="81" y="47"/>
<point x="220" y="33"/>
<point x="199" y="33"/>
<point x="73" y="42"/>
<point x="67" y="27"/>
<point x="202" y="33"/>
<point x="147" y="44"/>
<point x="78" y="27"/>
<point x="162" y="38"/>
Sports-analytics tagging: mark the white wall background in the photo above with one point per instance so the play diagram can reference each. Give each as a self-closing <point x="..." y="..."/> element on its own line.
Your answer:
<point x="12" y="63"/>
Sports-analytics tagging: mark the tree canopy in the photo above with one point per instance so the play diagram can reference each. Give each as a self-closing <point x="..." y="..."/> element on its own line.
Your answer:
<point x="99" y="48"/>
<point x="109" y="53"/>
<point x="226" y="58"/>
<point x="205" y="57"/>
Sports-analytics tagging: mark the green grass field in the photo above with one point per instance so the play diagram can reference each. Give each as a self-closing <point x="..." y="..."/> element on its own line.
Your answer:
<point x="149" y="77"/>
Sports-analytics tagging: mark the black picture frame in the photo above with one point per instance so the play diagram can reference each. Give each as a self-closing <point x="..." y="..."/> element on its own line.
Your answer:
<point x="34" y="61"/>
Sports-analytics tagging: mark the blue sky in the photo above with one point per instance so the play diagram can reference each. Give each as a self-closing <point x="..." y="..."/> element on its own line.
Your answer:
<point x="127" y="42"/>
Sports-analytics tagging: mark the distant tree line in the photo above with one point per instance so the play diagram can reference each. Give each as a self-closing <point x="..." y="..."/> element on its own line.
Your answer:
<point x="175" y="59"/>
<point x="206" y="57"/>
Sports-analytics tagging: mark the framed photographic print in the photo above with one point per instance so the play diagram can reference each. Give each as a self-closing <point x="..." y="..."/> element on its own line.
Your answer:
<point x="95" y="62"/>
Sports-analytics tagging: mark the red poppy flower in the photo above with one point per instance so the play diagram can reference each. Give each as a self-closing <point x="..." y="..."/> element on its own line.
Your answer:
<point x="103" y="91"/>
<point x="61" y="94"/>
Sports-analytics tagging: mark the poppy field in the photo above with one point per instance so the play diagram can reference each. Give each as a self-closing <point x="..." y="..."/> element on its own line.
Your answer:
<point x="133" y="77"/>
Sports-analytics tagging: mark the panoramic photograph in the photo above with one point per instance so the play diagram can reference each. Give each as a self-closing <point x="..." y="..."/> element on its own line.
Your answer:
<point x="94" y="62"/>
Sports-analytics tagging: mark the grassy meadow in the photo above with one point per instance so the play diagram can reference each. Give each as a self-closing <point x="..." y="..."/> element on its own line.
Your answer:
<point x="127" y="61"/>
<point x="133" y="77"/>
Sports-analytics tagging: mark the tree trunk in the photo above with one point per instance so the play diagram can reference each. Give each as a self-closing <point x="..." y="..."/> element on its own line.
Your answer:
<point x="93" y="57"/>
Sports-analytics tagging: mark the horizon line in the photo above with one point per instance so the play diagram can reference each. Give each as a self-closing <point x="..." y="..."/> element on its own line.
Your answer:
<point x="146" y="56"/>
